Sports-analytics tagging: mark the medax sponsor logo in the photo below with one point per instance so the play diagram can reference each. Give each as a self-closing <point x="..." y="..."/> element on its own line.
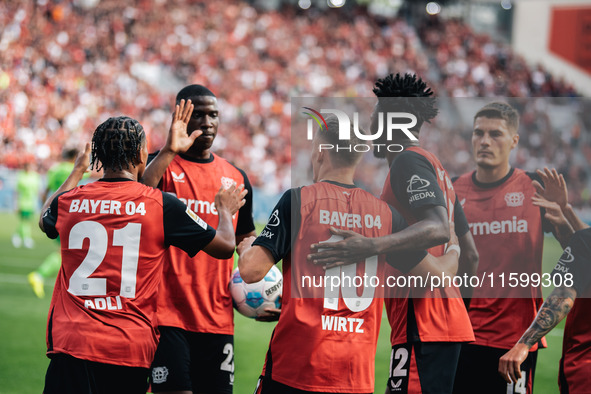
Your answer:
<point x="567" y="256"/>
<point x="514" y="199"/>
<point x="417" y="186"/>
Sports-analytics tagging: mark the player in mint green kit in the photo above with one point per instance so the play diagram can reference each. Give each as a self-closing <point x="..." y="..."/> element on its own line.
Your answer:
<point x="27" y="190"/>
<point x="56" y="175"/>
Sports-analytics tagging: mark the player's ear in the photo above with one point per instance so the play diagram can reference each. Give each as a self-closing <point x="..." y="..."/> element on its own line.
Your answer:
<point x="515" y="140"/>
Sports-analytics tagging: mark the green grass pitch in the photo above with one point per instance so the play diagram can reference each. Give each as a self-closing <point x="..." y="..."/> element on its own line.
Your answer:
<point x="23" y="317"/>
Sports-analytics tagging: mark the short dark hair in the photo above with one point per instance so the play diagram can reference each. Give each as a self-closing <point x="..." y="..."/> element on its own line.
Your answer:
<point x="193" y="91"/>
<point x="343" y="153"/>
<point x="412" y="95"/>
<point x="500" y="110"/>
<point x="116" y="143"/>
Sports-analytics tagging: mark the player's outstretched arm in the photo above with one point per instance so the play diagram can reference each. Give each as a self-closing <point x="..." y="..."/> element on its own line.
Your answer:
<point x="432" y="229"/>
<point x="447" y="264"/>
<point x="80" y="168"/>
<point x="553" y="310"/>
<point x="254" y="261"/>
<point x="227" y="202"/>
<point x="555" y="190"/>
<point x="178" y="141"/>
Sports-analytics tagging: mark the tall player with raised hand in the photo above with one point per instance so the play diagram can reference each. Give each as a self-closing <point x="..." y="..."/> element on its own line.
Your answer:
<point x="427" y="329"/>
<point x="101" y="330"/>
<point x="325" y="341"/>
<point x="497" y="200"/>
<point x="195" y="312"/>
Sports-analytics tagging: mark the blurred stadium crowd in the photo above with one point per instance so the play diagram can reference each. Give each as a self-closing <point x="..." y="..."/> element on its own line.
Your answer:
<point x="65" y="66"/>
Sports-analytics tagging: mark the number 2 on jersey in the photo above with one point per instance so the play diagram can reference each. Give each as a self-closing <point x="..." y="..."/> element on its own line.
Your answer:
<point x="128" y="237"/>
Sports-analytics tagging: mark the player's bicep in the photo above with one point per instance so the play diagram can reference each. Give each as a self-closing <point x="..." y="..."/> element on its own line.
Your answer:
<point x="276" y="236"/>
<point x="183" y="228"/>
<point x="573" y="266"/>
<point x="48" y="219"/>
<point x="254" y="263"/>
<point x="414" y="182"/>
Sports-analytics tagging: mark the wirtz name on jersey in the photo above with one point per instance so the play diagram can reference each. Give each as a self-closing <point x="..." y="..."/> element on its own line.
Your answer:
<point x="499" y="227"/>
<point x="342" y="324"/>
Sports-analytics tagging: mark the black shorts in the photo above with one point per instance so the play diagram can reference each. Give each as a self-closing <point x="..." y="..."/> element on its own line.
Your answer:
<point x="423" y="367"/>
<point x="478" y="372"/>
<point x="193" y="361"/>
<point x="70" y="375"/>
<point x="266" y="385"/>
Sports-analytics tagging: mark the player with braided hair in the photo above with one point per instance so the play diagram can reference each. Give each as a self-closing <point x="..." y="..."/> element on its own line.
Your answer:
<point x="101" y="330"/>
<point x="427" y="327"/>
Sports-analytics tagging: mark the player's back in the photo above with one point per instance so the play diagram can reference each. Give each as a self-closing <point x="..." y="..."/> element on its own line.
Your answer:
<point x="324" y="342"/>
<point x="104" y="302"/>
<point x="416" y="314"/>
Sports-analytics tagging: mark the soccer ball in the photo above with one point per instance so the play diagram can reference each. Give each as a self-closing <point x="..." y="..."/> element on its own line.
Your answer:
<point x="251" y="299"/>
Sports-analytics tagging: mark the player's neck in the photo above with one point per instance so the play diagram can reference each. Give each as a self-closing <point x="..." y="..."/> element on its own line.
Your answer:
<point x="120" y="174"/>
<point x="198" y="155"/>
<point x="390" y="156"/>
<point x="339" y="175"/>
<point x="490" y="175"/>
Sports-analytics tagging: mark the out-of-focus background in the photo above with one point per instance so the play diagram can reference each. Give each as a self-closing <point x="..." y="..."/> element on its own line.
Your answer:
<point x="65" y="66"/>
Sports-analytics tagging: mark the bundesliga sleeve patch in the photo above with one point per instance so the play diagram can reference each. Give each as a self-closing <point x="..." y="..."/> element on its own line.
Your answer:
<point x="196" y="218"/>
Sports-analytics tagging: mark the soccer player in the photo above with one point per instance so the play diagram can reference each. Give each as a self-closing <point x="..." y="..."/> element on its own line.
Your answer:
<point x="101" y="331"/>
<point x="427" y="329"/>
<point x="497" y="202"/>
<point x="325" y="340"/>
<point x="571" y="295"/>
<point x="28" y="183"/>
<point x="195" y="311"/>
<point x="56" y="175"/>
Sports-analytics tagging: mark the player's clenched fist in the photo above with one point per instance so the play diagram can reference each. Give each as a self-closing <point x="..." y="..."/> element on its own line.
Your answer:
<point x="230" y="199"/>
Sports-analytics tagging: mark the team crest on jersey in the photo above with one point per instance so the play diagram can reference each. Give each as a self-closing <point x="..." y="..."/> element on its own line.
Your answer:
<point x="514" y="199"/>
<point x="178" y="177"/>
<point x="228" y="182"/>
<point x="159" y="374"/>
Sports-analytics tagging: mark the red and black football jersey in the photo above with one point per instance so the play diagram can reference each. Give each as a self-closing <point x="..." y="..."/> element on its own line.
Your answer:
<point x="196" y="296"/>
<point x="508" y="232"/>
<point x="417" y="180"/>
<point x="326" y="338"/>
<point x="573" y="268"/>
<point x="113" y="235"/>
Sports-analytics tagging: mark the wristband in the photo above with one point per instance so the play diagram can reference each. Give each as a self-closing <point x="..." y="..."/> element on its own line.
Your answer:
<point x="453" y="247"/>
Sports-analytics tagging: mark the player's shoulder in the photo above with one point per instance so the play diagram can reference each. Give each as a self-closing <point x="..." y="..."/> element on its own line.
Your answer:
<point x="222" y="161"/>
<point x="463" y="179"/>
<point x="408" y="159"/>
